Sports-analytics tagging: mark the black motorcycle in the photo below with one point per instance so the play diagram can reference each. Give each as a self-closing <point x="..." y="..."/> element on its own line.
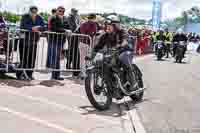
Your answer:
<point x="160" y="50"/>
<point x="110" y="76"/>
<point x="180" y="49"/>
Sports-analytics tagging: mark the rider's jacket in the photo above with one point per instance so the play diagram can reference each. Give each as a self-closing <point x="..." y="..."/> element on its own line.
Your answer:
<point x="180" y="37"/>
<point x="112" y="40"/>
<point x="160" y="37"/>
<point x="168" y="36"/>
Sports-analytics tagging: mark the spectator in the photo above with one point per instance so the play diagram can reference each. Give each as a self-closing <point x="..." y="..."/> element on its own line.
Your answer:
<point x="73" y="20"/>
<point x="131" y="38"/>
<point x="90" y="28"/>
<point x="141" y="44"/>
<point x="2" y="23"/>
<point x="53" y="14"/>
<point x="56" y="42"/>
<point x="28" y="45"/>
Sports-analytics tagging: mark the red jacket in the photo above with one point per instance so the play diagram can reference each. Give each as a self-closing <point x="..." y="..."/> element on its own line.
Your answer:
<point x="89" y="28"/>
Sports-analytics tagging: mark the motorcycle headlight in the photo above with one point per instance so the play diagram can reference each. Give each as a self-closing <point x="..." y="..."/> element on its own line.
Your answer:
<point x="159" y="45"/>
<point x="98" y="57"/>
<point x="182" y="43"/>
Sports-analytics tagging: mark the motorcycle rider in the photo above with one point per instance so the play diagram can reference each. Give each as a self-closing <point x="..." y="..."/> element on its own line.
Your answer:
<point x="168" y="39"/>
<point x="179" y="36"/>
<point x="115" y="37"/>
<point x="160" y="37"/>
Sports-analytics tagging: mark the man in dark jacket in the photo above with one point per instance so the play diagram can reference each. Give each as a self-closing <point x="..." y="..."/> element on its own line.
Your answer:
<point x="33" y="24"/>
<point x="73" y="20"/>
<point x="114" y="36"/>
<point x="56" y="42"/>
<point x="73" y="55"/>
<point x="177" y="38"/>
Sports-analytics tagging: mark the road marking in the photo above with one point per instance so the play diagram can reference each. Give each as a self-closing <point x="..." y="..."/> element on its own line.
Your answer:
<point x="136" y="120"/>
<point x="60" y="106"/>
<point x="36" y="120"/>
<point x="135" y="117"/>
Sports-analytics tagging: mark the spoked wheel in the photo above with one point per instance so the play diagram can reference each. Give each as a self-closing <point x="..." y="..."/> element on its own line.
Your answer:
<point x="159" y="55"/>
<point x="139" y="80"/>
<point x="98" y="92"/>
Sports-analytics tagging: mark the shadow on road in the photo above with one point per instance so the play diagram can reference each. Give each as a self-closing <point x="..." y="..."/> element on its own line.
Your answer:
<point x="116" y="110"/>
<point x="75" y="80"/>
<point x="183" y="62"/>
<point x="13" y="82"/>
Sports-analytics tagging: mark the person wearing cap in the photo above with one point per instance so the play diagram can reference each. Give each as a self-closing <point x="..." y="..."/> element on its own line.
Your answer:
<point x="34" y="24"/>
<point x="73" y="20"/>
<point x="56" y="42"/>
<point x="88" y="28"/>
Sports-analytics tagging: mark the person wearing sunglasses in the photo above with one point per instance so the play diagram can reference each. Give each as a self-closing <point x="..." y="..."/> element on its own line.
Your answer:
<point x="33" y="24"/>
<point x="56" y="42"/>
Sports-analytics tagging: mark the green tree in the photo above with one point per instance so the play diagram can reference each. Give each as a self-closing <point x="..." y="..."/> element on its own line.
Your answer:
<point x="11" y="17"/>
<point x="45" y="15"/>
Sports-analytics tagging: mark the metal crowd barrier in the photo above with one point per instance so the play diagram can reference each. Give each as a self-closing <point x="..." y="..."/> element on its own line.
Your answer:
<point x="44" y="52"/>
<point x="47" y="51"/>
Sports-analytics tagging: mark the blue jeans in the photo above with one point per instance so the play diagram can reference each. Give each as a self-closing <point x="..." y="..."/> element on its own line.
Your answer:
<point x="53" y="57"/>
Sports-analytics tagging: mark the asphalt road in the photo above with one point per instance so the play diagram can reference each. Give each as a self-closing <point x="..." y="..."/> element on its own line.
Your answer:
<point x="170" y="102"/>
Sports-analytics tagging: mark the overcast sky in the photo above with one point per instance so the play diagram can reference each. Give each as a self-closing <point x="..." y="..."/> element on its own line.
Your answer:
<point x="132" y="8"/>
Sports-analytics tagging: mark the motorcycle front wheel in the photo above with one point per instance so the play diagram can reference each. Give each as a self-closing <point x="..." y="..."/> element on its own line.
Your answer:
<point x="139" y="96"/>
<point x="159" y="55"/>
<point x="92" y="91"/>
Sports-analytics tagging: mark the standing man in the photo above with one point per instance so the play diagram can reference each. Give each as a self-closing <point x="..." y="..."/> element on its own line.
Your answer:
<point x="34" y="24"/>
<point x="53" y="14"/>
<point x="56" y="42"/>
<point x="73" y="21"/>
<point x="90" y="28"/>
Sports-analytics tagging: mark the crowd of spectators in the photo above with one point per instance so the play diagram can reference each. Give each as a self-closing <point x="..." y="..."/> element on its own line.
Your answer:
<point x="140" y="40"/>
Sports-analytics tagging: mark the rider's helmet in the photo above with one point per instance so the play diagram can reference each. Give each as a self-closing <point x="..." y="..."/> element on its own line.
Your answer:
<point x="161" y="32"/>
<point x="166" y="30"/>
<point x="115" y="21"/>
<point x="114" y="18"/>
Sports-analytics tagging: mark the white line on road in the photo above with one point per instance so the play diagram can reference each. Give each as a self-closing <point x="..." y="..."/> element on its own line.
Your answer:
<point x="137" y="122"/>
<point x="60" y="106"/>
<point x="135" y="118"/>
<point x="37" y="120"/>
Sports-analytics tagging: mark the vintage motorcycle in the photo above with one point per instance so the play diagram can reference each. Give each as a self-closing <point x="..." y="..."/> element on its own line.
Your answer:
<point x="111" y="73"/>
